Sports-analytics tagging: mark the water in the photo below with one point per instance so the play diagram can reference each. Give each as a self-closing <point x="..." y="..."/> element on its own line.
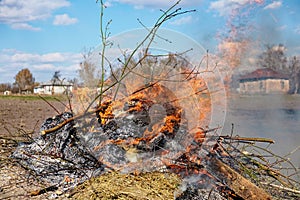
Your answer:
<point x="274" y="117"/>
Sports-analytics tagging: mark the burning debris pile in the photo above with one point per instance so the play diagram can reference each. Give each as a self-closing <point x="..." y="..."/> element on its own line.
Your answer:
<point x="144" y="132"/>
<point x="121" y="134"/>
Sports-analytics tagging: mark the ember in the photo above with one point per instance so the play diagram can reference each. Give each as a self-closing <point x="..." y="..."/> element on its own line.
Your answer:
<point x="146" y="128"/>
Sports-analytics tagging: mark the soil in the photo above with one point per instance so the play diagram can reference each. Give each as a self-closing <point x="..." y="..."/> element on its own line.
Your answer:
<point x="20" y="117"/>
<point x="26" y="114"/>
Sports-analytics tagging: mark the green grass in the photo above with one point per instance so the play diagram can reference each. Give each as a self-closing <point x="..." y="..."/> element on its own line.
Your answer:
<point x="34" y="97"/>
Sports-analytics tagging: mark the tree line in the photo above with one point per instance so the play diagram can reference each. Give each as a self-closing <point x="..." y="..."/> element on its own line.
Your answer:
<point x="24" y="81"/>
<point x="274" y="57"/>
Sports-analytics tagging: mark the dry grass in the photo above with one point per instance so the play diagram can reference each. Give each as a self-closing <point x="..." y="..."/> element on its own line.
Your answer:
<point x="113" y="185"/>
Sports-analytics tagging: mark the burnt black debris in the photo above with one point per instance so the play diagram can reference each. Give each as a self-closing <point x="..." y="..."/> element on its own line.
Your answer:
<point x="59" y="154"/>
<point x="54" y="121"/>
<point x="79" y="153"/>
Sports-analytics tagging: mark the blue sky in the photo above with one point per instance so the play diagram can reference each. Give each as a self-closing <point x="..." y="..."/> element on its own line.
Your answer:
<point x="51" y="35"/>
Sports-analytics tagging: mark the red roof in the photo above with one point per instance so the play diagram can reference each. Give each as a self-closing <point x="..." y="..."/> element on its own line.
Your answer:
<point x="264" y="73"/>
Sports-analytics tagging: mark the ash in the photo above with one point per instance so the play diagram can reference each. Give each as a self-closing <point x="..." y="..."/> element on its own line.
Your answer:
<point x="59" y="155"/>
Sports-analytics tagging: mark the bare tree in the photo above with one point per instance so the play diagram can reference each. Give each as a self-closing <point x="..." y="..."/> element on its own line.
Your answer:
<point x="56" y="77"/>
<point x="274" y="58"/>
<point x="87" y="72"/>
<point x="294" y="68"/>
<point x="5" y="86"/>
<point x="74" y="81"/>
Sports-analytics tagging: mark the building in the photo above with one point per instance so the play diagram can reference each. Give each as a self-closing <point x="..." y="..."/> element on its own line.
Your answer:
<point x="26" y="90"/>
<point x="7" y="92"/>
<point x="54" y="87"/>
<point x="264" y="81"/>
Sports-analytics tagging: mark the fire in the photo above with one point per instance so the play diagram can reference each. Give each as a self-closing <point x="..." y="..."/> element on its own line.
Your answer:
<point x="105" y="112"/>
<point x="139" y="104"/>
<point x="157" y="115"/>
<point x="171" y="122"/>
<point x="158" y="111"/>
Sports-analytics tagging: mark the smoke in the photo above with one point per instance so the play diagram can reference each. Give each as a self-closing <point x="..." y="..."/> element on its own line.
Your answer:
<point x="237" y="47"/>
<point x="236" y="36"/>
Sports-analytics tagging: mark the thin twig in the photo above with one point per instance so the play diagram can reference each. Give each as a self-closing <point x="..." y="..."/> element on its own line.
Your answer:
<point x="248" y="139"/>
<point x="282" y="188"/>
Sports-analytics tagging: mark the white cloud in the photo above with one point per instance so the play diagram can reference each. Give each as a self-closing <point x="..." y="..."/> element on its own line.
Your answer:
<point x="64" y="19"/>
<point x="273" y="5"/>
<point x="53" y="57"/>
<point x="42" y="66"/>
<point x="42" y="58"/>
<point x="14" y="12"/>
<point x="182" y="20"/>
<point x="24" y="57"/>
<point x="156" y="3"/>
<point x="225" y="7"/>
<point x="24" y="26"/>
<point x="70" y="68"/>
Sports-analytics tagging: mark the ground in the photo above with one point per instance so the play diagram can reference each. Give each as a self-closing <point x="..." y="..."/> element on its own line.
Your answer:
<point x="21" y="115"/>
<point x="27" y="113"/>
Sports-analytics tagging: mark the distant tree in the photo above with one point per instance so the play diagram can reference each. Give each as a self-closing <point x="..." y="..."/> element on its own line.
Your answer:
<point x="274" y="58"/>
<point x="5" y="86"/>
<point x="56" y="77"/>
<point x="87" y="72"/>
<point x="294" y="69"/>
<point x="15" y="88"/>
<point x="24" y="80"/>
<point x="74" y="81"/>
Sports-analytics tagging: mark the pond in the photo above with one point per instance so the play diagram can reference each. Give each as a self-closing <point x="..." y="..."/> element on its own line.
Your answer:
<point x="276" y="117"/>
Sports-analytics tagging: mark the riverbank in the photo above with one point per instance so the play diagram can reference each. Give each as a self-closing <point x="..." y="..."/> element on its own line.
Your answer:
<point x="269" y="116"/>
<point x="257" y="102"/>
